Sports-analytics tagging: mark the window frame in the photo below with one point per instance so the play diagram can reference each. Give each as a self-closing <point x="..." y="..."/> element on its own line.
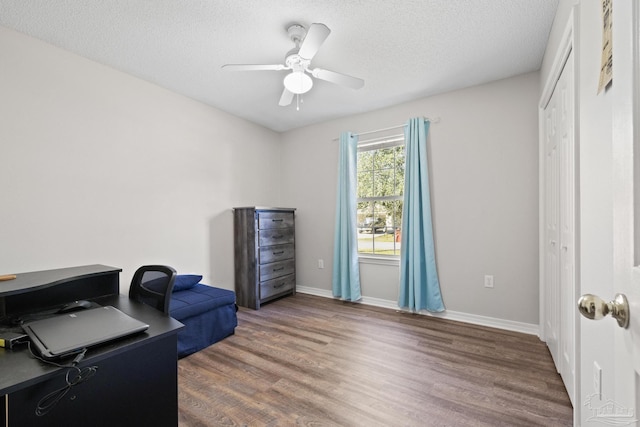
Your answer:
<point x="374" y="145"/>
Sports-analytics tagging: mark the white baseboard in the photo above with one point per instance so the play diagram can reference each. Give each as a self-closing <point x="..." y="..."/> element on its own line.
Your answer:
<point x="492" y="322"/>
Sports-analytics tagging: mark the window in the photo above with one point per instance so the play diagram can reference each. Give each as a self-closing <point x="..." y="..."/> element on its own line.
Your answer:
<point x="380" y="188"/>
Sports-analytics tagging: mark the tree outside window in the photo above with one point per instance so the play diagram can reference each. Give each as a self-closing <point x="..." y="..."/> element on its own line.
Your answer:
<point x="380" y="190"/>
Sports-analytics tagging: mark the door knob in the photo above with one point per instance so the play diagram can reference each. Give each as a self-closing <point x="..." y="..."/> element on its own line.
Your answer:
<point x="595" y="308"/>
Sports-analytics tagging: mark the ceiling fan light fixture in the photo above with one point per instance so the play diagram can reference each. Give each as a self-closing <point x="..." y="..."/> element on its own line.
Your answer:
<point x="298" y="82"/>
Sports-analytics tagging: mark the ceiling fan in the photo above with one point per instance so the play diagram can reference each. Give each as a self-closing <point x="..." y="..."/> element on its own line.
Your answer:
<point x="298" y="60"/>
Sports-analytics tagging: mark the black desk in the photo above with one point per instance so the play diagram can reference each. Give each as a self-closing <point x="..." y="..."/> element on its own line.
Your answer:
<point x="136" y="381"/>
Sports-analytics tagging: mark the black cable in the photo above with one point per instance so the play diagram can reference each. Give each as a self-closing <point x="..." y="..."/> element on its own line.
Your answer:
<point x="73" y="377"/>
<point x="48" y="402"/>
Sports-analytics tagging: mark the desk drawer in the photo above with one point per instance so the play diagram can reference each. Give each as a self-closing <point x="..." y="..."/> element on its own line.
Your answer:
<point x="276" y="253"/>
<point x="276" y="269"/>
<point x="276" y="236"/>
<point x="268" y="220"/>
<point x="278" y="286"/>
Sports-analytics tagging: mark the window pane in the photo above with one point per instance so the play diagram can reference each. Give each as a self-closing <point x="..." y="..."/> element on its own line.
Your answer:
<point x="395" y="207"/>
<point x="381" y="181"/>
<point x="384" y="184"/>
<point x="365" y="160"/>
<point x="399" y="165"/>
<point x="370" y="219"/>
<point x="365" y="183"/>
<point x="384" y="158"/>
<point x="364" y="219"/>
<point x="365" y="210"/>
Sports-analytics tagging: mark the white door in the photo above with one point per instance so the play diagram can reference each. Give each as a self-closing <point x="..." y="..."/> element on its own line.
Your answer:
<point x="567" y="224"/>
<point x="620" y="381"/>
<point x="626" y="198"/>
<point x="551" y="229"/>
<point x="559" y="226"/>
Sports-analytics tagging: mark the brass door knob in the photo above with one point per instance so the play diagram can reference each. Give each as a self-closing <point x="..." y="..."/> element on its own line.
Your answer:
<point x="595" y="308"/>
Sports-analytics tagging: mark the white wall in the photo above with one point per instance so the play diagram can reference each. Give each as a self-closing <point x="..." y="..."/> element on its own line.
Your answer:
<point x="101" y="167"/>
<point x="483" y="156"/>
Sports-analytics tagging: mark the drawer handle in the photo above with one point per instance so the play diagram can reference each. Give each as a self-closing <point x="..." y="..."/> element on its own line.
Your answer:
<point x="278" y="269"/>
<point x="278" y="253"/>
<point x="279" y="285"/>
<point x="277" y="220"/>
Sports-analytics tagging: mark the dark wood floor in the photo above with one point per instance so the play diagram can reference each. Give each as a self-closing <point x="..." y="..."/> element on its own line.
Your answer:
<point x="313" y="361"/>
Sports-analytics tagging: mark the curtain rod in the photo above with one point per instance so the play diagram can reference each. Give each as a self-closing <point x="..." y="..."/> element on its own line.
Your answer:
<point x="434" y="120"/>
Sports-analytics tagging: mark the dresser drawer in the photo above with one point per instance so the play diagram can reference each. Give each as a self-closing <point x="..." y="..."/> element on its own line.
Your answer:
<point x="268" y="220"/>
<point x="277" y="286"/>
<point x="275" y="236"/>
<point x="277" y="269"/>
<point x="276" y="253"/>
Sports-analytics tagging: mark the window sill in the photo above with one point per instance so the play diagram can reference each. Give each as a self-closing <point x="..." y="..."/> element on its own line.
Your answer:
<point x="379" y="260"/>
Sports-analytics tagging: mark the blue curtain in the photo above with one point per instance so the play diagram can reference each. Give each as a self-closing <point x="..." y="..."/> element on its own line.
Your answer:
<point x="419" y="284"/>
<point x="346" y="273"/>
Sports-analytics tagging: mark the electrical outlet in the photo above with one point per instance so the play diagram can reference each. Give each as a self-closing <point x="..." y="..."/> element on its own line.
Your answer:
<point x="488" y="281"/>
<point x="320" y="263"/>
<point x="597" y="379"/>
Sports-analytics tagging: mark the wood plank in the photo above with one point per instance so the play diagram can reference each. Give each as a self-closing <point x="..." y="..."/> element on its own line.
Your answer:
<point x="312" y="361"/>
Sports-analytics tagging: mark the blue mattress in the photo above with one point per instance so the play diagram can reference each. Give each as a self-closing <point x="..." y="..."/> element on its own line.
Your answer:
<point x="208" y="314"/>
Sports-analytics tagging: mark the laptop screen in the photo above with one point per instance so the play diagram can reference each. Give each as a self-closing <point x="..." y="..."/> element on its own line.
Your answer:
<point x="67" y="334"/>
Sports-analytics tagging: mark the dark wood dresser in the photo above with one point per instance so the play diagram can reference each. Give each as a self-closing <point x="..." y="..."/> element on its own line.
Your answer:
<point x="265" y="262"/>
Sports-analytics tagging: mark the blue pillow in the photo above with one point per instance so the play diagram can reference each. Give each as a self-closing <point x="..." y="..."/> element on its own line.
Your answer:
<point x="185" y="281"/>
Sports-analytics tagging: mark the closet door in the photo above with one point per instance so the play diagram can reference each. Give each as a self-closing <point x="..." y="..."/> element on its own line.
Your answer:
<point x="560" y="227"/>
<point x="551" y="230"/>
<point x="567" y="215"/>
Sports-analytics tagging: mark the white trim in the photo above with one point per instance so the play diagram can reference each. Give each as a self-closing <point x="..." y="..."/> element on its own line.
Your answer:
<point x="379" y="260"/>
<point x="377" y="143"/>
<point x="541" y="225"/>
<point x="434" y="120"/>
<point x="565" y="47"/>
<point x="492" y="322"/>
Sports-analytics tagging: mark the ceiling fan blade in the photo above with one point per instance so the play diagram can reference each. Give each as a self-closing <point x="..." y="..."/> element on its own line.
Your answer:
<point x="337" y="78"/>
<point x="286" y="98"/>
<point x="316" y="35"/>
<point x="254" y="67"/>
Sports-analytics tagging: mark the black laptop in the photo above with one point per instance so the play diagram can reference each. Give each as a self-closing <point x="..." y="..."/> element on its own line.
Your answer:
<point x="67" y="334"/>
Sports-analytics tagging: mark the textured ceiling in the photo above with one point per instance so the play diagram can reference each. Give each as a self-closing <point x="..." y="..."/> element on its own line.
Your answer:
<point x="403" y="50"/>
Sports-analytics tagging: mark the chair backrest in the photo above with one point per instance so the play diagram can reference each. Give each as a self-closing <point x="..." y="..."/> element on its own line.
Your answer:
<point x="152" y="285"/>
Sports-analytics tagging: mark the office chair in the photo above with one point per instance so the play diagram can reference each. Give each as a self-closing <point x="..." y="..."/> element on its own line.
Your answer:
<point x="152" y="285"/>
